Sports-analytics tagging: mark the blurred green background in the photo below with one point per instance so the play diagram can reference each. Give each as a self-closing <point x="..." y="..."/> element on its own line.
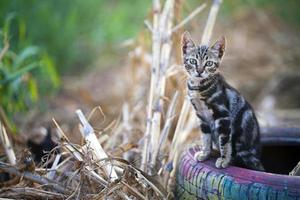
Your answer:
<point x="72" y="32"/>
<point x="51" y="38"/>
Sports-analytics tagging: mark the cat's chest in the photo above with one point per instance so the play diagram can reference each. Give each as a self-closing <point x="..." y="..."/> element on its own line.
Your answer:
<point x="194" y="89"/>
<point x="196" y="97"/>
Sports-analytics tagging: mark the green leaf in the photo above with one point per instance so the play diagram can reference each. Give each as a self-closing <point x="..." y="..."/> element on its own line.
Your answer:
<point x="20" y="72"/>
<point x="33" y="90"/>
<point x="24" y="55"/>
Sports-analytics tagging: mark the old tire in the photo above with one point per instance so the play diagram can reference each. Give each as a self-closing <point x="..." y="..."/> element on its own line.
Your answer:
<point x="202" y="180"/>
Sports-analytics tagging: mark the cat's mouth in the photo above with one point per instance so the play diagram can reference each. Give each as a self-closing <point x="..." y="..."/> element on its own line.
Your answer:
<point x="199" y="75"/>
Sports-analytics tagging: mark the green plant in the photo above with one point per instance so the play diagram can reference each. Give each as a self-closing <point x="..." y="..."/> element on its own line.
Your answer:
<point x="25" y="75"/>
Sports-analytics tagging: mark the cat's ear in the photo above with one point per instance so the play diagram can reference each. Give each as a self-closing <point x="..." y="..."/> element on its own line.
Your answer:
<point x="219" y="47"/>
<point x="187" y="43"/>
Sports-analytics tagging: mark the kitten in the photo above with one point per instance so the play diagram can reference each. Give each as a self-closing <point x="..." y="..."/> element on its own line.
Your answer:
<point x="227" y="119"/>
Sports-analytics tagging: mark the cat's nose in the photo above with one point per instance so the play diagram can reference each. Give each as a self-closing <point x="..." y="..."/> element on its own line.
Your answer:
<point x="199" y="70"/>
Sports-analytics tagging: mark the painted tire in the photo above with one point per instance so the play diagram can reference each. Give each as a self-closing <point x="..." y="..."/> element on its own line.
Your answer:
<point x="202" y="180"/>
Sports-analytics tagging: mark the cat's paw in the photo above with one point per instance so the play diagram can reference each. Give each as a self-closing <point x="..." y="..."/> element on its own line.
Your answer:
<point x="202" y="155"/>
<point x="222" y="163"/>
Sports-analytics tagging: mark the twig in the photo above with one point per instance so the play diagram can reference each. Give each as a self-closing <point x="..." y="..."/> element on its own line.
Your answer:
<point x="148" y="25"/>
<point x="53" y="168"/>
<point x="33" y="177"/>
<point x="29" y="193"/>
<point x="134" y="190"/>
<point x="68" y="145"/>
<point x="188" y="18"/>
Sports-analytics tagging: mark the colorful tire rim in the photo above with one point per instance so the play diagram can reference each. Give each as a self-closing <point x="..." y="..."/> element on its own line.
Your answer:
<point x="202" y="180"/>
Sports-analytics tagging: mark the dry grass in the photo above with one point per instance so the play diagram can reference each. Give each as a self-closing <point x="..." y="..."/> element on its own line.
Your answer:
<point x="134" y="156"/>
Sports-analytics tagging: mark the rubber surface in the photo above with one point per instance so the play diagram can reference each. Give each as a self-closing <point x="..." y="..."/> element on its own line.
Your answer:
<point x="202" y="180"/>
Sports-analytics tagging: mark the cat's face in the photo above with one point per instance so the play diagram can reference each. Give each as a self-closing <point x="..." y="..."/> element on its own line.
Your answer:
<point x="201" y="61"/>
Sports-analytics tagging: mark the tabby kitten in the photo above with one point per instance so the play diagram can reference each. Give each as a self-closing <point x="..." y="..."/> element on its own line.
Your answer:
<point x="227" y="119"/>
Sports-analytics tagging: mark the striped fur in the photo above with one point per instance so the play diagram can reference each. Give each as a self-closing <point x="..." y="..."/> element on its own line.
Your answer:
<point x="226" y="118"/>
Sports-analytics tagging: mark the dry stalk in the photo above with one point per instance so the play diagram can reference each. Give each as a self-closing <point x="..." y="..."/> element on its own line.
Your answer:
<point x="154" y="76"/>
<point x="7" y="145"/>
<point x="54" y="166"/>
<point x="162" y="30"/>
<point x="166" y="22"/>
<point x="77" y="154"/>
<point x="188" y="18"/>
<point x="169" y="120"/>
<point x="91" y="139"/>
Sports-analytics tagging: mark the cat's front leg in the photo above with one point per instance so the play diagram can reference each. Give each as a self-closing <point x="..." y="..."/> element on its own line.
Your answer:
<point x="205" y="151"/>
<point x="206" y="138"/>
<point x="225" y="151"/>
<point x="225" y="146"/>
<point x="205" y="120"/>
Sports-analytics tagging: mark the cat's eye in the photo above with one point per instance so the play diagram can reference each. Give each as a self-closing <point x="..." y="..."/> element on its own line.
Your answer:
<point x="193" y="61"/>
<point x="209" y="63"/>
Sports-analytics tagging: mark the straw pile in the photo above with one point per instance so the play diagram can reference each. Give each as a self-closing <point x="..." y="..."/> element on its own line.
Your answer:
<point x="138" y="161"/>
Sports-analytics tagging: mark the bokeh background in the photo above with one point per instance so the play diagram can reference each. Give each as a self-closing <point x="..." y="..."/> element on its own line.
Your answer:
<point x="58" y="56"/>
